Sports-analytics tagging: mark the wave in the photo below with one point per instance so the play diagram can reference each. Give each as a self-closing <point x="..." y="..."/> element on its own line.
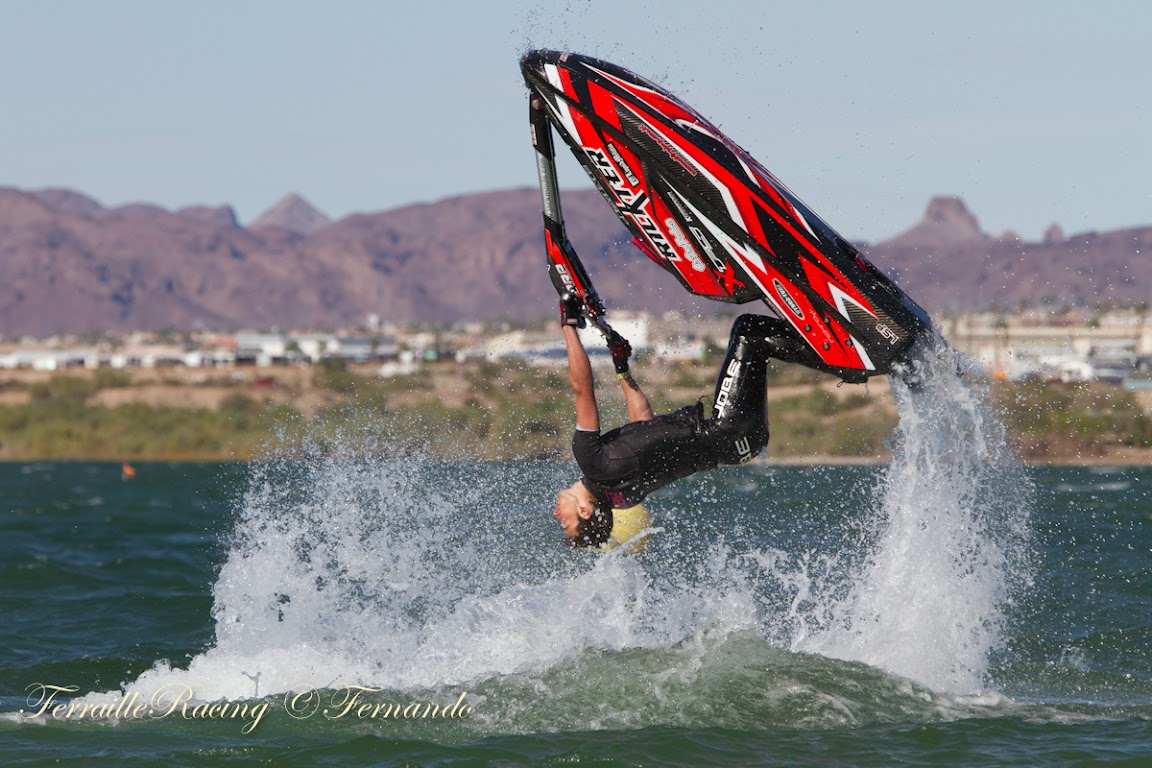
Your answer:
<point x="733" y="681"/>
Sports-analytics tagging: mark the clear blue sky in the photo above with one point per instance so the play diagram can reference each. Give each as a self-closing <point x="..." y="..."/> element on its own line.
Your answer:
<point x="1033" y="112"/>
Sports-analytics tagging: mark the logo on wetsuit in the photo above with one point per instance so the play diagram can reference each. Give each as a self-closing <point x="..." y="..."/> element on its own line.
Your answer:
<point x="744" y="448"/>
<point x="724" y="396"/>
<point x="616" y="499"/>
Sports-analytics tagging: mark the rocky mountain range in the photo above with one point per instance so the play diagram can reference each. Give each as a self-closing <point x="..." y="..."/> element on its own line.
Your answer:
<point x="71" y="265"/>
<point x="947" y="263"/>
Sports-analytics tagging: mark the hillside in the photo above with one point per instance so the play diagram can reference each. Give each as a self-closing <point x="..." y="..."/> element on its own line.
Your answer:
<point x="947" y="263"/>
<point x="70" y="265"/>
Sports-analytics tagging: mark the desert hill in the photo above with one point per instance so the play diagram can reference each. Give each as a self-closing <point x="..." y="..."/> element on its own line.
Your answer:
<point x="71" y="265"/>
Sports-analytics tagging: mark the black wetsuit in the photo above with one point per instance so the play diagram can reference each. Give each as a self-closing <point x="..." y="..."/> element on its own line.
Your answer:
<point x="626" y="464"/>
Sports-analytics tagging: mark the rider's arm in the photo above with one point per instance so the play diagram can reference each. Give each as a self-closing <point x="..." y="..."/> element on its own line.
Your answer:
<point x="580" y="376"/>
<point x="639" y="408"/>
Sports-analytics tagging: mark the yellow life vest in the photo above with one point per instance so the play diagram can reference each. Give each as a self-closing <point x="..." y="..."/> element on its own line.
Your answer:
<point x="626" y="525"/>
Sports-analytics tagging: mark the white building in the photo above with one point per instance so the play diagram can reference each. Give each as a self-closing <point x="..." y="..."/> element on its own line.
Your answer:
<point x="261" y="348"/>
<point x="1053" y="347"/>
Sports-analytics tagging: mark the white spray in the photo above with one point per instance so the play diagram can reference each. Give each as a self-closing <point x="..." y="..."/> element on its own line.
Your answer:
<point x="948" y="538"/>
<point x="401" y="572"/>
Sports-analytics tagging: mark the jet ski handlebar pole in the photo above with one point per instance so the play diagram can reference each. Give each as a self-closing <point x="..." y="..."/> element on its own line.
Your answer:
<point x="564" y="268"/>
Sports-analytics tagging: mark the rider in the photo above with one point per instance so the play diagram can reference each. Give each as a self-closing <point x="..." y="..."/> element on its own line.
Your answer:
<point x="624" y="465"/>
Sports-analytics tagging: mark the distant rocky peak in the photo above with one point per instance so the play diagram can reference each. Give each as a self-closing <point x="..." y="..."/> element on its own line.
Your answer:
<point x="946" y="222"/>
<point x="293" y="213"/>
<point x="950" y="219"/>
<point x="221" y="216"/>
<point x="68" y="202"/>
<point x="950" y="211"/>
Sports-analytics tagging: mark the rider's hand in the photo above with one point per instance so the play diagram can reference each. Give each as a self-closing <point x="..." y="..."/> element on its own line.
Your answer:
<point x="620" y="350"/>
<point x="572" y="311"/>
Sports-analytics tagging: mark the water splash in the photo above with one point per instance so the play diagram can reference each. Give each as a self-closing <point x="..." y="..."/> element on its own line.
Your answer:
<point x="380" y="566"/>
<point x="373" y="564"/>
<point x="948" y="537"/>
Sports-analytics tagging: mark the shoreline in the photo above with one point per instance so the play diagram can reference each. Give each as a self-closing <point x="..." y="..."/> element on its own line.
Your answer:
<point x="783" y="461"/>
<point x="494" y="413"/>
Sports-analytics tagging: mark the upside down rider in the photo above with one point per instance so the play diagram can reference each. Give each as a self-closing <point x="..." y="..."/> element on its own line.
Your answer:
<point x="620" y="467"/>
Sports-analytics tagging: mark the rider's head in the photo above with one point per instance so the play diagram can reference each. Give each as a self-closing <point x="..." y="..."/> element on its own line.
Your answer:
<point x="586" y="520"/>
<point x="596" y="529"/>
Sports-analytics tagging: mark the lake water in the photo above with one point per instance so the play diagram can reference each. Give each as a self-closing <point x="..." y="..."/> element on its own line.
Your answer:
<point x="384" y="608"/>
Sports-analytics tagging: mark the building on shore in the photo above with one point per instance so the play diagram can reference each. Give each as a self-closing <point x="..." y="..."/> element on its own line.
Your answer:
<point x="1071" y="345"/>
<point x="1055" y="346"/>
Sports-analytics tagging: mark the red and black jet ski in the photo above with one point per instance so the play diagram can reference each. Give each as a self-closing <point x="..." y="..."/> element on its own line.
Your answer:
<point x="706" y="211"/>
